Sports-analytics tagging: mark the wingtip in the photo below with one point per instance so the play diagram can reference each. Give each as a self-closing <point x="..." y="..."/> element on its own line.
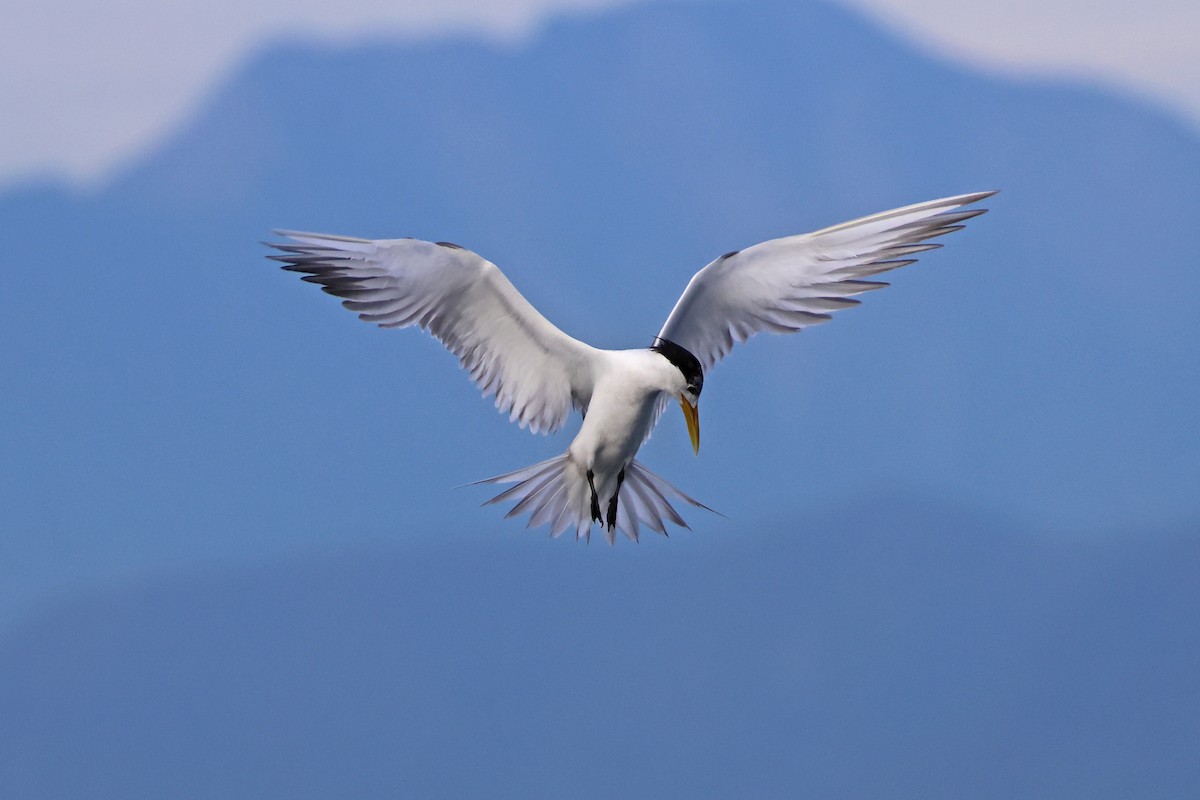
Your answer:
<point x="961" y="200"/>
<point x="975" y="197"/>
<point x="302" y="236"/>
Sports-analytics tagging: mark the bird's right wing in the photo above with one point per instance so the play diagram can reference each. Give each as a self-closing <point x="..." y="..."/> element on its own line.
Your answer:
<point x="536" y="372"/>
<point x="785" y="285"/>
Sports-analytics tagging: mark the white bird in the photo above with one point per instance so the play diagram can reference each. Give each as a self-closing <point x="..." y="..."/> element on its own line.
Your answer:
<point x="538" y="374"/>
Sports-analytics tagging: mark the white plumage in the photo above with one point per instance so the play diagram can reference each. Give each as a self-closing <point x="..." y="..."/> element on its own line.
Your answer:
<point x="537" y="373"/>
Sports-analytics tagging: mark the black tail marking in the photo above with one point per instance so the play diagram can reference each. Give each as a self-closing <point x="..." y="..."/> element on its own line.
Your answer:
<point x="612" y="504"/>
<point x="595" y="500"/>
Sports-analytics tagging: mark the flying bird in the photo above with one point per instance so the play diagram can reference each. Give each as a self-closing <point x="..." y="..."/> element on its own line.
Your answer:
<point x="538" y="374"/>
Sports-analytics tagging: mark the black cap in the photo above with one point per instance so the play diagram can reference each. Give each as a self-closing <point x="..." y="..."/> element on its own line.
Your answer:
<point x="683" y="360"/>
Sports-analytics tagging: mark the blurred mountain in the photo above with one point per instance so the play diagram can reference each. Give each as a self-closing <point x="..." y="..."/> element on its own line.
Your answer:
<point x="171" y="397"/>
<point x="841" y="655"/>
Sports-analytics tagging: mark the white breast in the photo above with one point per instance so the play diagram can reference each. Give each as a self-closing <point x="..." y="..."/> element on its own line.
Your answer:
<point x="621" y="411"/>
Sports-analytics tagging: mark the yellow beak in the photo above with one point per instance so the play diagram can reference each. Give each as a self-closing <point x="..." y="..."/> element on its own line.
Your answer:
<point x="692" y="415"/>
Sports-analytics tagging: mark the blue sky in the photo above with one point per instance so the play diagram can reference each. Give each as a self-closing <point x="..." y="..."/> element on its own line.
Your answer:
<point x="100" y="82"/>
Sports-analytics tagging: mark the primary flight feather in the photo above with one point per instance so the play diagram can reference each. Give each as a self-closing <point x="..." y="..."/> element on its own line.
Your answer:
<point x="537" y="373"/>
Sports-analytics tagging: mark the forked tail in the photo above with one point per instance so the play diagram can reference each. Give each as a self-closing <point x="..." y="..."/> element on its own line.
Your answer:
<point x="555" y="493"/>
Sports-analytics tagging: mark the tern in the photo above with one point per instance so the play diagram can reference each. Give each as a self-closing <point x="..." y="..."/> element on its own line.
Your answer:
<point x="538" y="374"/>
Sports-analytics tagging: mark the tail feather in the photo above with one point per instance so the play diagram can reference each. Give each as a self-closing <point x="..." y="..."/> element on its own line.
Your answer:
<point x="548" y="511"/>
<point x="627" y="522"/>
<point x="523" y="473"/>
<point x="651" y="517"/>
<point x="563" y="519"/>
<point x="554" y="493"/>
<point x="541" y="491"/>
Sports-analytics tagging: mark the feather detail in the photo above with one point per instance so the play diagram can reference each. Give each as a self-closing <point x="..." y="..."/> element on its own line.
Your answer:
<point x="786" y="285"/>
<point x="536" y="373"/>
<point x="554" y="493"/>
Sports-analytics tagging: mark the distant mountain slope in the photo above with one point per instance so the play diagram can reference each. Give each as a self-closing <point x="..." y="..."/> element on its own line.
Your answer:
<point x="853" y="656"/>
<point x="171" y="396"/>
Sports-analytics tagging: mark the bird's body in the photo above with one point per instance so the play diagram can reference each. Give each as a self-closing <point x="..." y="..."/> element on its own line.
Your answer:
<point x="623" y="393"/>
<point x="537" y="373"/>
<point x="627" y="386"/>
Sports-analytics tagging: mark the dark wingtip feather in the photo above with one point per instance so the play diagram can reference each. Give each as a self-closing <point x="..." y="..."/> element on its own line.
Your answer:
<point x="952" y="217"/>
<point x="894" y="263"/>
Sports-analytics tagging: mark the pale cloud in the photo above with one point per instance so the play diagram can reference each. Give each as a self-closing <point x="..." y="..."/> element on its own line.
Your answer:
<point x="88" y="84"/>
<point x="1148" y="47"/>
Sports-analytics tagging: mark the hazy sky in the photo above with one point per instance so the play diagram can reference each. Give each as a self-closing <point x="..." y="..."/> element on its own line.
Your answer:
<point x="89" y="84"/>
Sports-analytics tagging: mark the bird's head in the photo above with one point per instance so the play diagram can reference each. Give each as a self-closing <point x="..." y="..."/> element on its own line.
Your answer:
<point x="692" y="384"/>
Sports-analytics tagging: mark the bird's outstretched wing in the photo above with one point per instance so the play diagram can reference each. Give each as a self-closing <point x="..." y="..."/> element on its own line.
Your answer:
<point x="785" y="285"/>
<point x="536" y="372"/>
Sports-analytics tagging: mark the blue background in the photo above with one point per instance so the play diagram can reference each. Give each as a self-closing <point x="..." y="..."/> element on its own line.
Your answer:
<point x="963" y="524"/>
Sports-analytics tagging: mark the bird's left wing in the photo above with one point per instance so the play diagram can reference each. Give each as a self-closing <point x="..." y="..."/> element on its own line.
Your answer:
<point x="536" y="372"/>
<point x="785" y="285"/>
